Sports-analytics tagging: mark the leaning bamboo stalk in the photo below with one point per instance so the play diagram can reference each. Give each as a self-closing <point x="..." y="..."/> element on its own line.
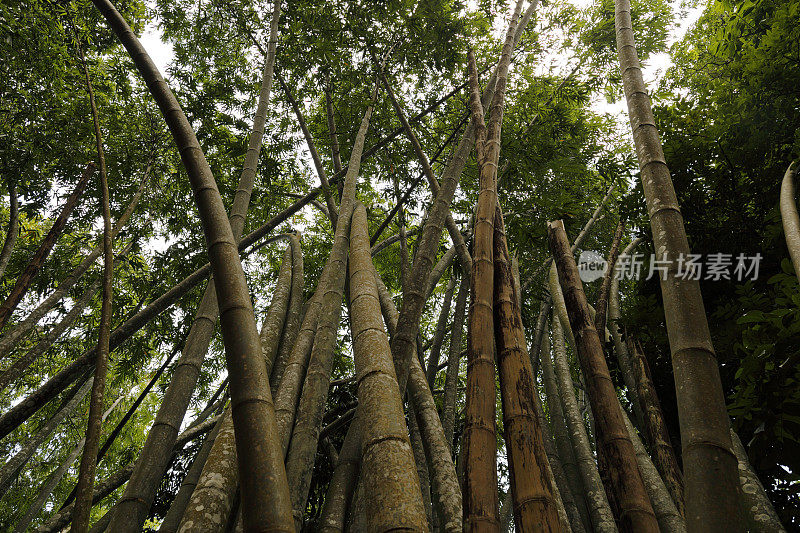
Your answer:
<point x="387" y="469"/>
<point x="343" y="482"/>
<point x="789" y="217"/>
<point x="14" y="334"/>
<point x="655" y="427"/>
<point x="636" y="512"/>
<point x="602" y="519"/>
<point x="561" y="437"/>
<point x="24" y="280"/>
<point x="12" y="231"/>
<point x="210" y="504"/>
<point x="602" y="300"/>
<point x="439" y="333"/>
<point x="535" y="506"/>
<point x="294" y="314"/>
<point x="305" y="434"/>
<point x="264" y="487"/>
<point x="446" y="490"/>
<point x="453" y="360"/>
<point x="13" y="467"/>
<point x="88" y="465"/>
<point x="709" y="463"/>
<point x="480" y="472"/>
<point x="272" y="327"/>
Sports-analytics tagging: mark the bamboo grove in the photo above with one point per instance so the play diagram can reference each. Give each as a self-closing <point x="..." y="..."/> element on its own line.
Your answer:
<point x="339" y="287"/>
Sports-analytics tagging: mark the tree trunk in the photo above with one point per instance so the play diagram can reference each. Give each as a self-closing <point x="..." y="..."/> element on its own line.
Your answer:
<point x="453" y="360"/>
<point x="620" y="349"/>
<point x="708" y="459"/>
<point x="562" y="440"/>
<point x="190" y="481"/>
<point x="669" y="519"/>
<point x="13" y="228"/>
<point x="294" y="314"/>
<point x="272" y="327"/>
<point x="303" y="443"/>
<point x="480" y="472"/>
<point x="211" y="502"/>
<point x="534" y="503"/>
<point x="636" y="512"/>
<point x="24" y="280"/>
<point x="441" y="330"/>
<point x="264" y="487"/>
<point x="655" y="427"/>
<point x="602" y="299"/>
<point x="15" y="333"/>
<point x="390" y="484"/>
<point x="789" y="217"/>
<point x="602" y="519"/>
<point x="83" y="505"/>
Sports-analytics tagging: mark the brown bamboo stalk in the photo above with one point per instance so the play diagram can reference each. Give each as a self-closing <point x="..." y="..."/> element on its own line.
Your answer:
<point x="602" y="300"/>
<point x="655" y="427"/>
<point x="636" y="512"/>
<point x="294" y="314"/>
<point x="534" y="504"/>
<point x="272" y="327"/>
<point x="453" y="360"/>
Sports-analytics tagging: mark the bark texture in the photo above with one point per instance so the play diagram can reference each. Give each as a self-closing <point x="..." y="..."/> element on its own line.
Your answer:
<point x="758" y="510"/>
<point x="655" y="427"/>
<point x="709" y="463"/>
<point x="636" y="512"/>
<point x="391" y="487"/>
<point x="534" y="504"/>
<point x="789" y="217"/>
<point x="602" y="519"/>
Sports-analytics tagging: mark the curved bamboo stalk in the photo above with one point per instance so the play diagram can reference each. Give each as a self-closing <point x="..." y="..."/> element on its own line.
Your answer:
<point x="264" y="490"/>
<point x="305" y="434"/>
<point x="709" y="463"/>
<point x="387" y="468"/>
<point x="535" y="507"/>
<point x="14" y="334"/>
<point x="24" y="280"/>
<point x="602" y="518"/>
<point x="636" y="512"/>
<point x="12" y="232"/>
<point x="789" y="217"/>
